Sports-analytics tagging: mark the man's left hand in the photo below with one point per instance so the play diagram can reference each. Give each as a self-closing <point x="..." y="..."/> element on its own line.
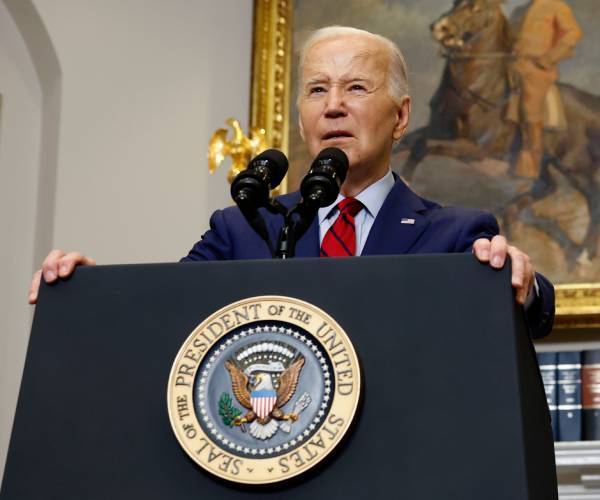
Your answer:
<point x="495" y="251"/>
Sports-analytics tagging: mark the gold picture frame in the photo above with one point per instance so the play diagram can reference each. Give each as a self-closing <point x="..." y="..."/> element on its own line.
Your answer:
<point x="271" y="64"/>
<point x="577" y="305"/>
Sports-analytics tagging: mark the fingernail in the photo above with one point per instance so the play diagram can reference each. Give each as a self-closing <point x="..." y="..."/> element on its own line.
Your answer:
<point x="497" y="261"/>
<point x="50" y="275"/>
<point x="63" y="268"/>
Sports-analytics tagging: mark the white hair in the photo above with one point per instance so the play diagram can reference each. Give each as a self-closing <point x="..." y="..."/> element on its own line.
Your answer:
<point x="397" y="72"/>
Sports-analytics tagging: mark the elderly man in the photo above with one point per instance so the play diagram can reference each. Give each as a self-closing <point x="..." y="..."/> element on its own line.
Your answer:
<point x="354" y="95"/>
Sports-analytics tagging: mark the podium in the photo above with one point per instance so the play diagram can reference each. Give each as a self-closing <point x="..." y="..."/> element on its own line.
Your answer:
<point x="452" y="406"/>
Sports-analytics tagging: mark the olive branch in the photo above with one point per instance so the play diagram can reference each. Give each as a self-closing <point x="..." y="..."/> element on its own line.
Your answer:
<point x="227" y="411"/>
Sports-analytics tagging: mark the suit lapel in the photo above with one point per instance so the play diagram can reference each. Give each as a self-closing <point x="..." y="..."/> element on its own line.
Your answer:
<point x="389" y="235"/>
<point x="308" y="245"/>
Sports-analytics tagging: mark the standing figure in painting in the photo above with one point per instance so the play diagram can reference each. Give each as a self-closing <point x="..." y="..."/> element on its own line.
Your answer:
<point x="546" y="33"/>
<point x="468" y="120"/>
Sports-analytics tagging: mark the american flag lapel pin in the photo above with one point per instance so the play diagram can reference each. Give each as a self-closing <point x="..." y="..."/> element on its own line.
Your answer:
<point x="407" y="221"/>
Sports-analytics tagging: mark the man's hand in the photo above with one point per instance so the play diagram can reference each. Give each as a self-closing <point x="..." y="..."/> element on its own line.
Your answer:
<point x="543" y="62"/>
<point x="495" y="250"/>
<point x="57" y="264"/>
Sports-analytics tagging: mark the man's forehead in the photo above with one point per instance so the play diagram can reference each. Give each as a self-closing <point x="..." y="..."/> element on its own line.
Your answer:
<point x="362" y="57"/>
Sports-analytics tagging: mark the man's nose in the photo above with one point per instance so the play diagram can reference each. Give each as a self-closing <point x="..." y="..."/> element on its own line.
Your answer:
<point x="335" y="105"/>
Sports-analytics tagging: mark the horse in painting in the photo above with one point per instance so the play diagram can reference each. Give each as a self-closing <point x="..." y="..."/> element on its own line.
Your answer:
<point x="467" y="122"/>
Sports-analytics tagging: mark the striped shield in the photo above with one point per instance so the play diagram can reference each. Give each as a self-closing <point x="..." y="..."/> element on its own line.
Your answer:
<point x="263" y="402"/>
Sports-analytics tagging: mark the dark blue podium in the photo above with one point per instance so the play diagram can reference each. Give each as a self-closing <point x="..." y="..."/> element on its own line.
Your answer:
<point x="453" y="405"/>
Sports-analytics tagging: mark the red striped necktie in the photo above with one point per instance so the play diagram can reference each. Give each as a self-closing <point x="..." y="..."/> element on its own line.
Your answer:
<point x="340" y="240"/>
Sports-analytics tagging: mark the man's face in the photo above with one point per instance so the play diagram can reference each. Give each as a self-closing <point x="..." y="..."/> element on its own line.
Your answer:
<point x="344" y="102"/>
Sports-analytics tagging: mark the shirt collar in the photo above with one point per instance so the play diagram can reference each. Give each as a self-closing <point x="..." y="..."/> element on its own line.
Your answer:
<point x="372" y="197"/>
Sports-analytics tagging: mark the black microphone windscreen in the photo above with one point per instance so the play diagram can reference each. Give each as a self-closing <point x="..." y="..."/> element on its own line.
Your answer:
<point x="339" y="160"/>
<point x="276" y="162"/>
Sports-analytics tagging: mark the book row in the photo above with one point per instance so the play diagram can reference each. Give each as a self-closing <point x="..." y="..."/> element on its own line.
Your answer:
<point x="572" y="384"/>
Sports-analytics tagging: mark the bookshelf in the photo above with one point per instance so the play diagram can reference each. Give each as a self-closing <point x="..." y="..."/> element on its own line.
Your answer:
<point x="578" y="469"/>
<point x="577" y="463"/>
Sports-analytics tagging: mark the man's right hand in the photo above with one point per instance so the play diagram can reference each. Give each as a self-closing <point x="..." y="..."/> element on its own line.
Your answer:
<point x="57" y="264"/>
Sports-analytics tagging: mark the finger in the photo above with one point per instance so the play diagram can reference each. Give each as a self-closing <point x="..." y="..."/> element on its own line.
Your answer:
<point x="498" y="251"/>
<point x="88" y="261"/>
<point x="528" y="277"/>
<point x="521" y="295"/>
<point x="50" y="265"/>
<point x="522" y="273"/>
<point x="35" y="286"/>
<point x="481" y="249"/>
<point x="518" y="269"/>
<point x="67" y="263"/>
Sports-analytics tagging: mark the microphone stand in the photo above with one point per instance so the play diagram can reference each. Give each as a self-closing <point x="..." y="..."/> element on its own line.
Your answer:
<point x="257" y="222"/>
<point x="296" y="223"/>
<point x="320" y="187"/>
<point x="286" y="244"/>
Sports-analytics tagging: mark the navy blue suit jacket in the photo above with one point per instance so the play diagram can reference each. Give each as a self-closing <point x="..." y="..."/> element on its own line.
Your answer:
<point x="436" y="229"/>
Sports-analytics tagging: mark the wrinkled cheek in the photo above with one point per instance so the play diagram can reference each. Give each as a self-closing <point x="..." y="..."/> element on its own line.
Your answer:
<point x="385" y="129"/>
<point x="355" y="155"/>
<point x="313" y="144"/>
<point x="355" y="159"/>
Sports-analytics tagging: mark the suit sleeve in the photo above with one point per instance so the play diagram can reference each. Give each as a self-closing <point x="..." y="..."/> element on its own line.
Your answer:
<point x="568" y="31"/>
<point x="215" y="244"/>
<point x="539" y="314"/>
<point x="483" y="225"/>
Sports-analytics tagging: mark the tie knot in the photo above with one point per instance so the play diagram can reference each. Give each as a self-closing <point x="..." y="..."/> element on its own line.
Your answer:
<point x="350" y="206"/>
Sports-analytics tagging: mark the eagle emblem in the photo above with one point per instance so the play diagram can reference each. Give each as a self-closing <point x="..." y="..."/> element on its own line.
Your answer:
<point x="264" y="377"/>
<point x="239" y="147"/>
<point x="260" y="401"/>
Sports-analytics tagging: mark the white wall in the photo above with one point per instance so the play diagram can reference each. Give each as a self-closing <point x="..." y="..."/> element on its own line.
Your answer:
<point x="20" y="125"/>
<point x="144" y="83"/>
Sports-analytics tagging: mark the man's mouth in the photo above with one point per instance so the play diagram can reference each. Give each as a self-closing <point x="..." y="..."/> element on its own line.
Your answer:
<point x="336" y="134"/>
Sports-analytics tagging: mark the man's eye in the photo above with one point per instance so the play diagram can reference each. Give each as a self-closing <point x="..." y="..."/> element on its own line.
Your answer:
<point x="357" y="87"/>
<point x="316" y="90"/>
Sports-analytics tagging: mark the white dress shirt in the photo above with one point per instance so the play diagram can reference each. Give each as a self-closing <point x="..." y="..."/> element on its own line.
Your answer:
<point x="372" y="198"/>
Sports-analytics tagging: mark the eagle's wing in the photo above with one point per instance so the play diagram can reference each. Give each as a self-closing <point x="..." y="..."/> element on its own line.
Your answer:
<point x="239" y="384"/>
<point x="288" y="382"/>
<point x="258" y="140"/>
<point x="218" y="147"/>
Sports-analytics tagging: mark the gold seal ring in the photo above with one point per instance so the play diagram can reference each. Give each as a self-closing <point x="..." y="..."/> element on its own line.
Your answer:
<point x="263" y="389"/>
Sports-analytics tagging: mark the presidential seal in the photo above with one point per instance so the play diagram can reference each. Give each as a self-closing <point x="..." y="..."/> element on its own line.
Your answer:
<point x="263" y="390"/>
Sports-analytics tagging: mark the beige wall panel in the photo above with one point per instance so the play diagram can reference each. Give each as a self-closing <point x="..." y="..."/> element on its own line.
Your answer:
<point x="144" y="85"/>
<point x="20" y="122"/>
<point x="145" y="82"/>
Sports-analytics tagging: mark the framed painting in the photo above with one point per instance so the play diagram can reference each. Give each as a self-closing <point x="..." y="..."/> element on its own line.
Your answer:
<point x="473" y="118"/>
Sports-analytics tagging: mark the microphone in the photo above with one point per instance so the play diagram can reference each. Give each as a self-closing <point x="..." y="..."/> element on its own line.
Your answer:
<point x="327" y="173"/>
<point x="319" y="188"/>
<point x="250" y="188"/>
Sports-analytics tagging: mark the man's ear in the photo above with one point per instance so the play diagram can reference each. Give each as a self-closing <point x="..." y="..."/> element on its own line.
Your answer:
<point x="402" y="118"/>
